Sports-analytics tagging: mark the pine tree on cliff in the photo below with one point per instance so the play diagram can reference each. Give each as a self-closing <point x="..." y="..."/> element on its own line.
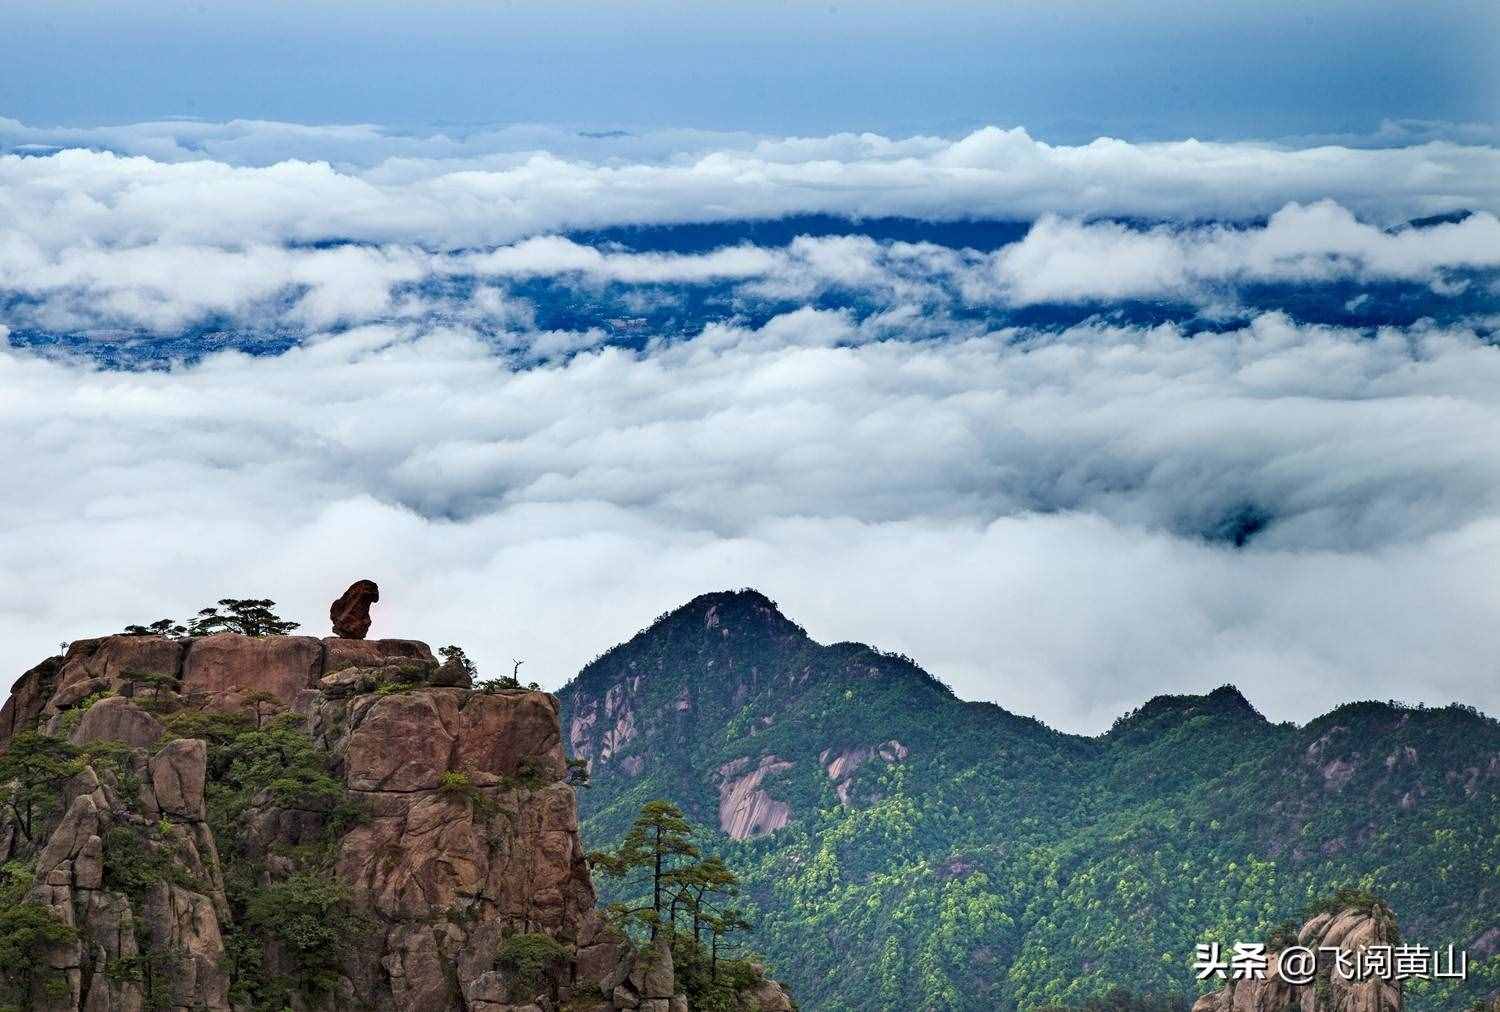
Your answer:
<point x="30" y="769"/>
<point x="247" y="616"/>
<point x="701" y="885"/>
<point x="722" y="924"/>
<point x="659" y="840"/>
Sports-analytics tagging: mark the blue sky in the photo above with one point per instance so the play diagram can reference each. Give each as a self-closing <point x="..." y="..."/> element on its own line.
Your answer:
<point x="1067" y="71"/>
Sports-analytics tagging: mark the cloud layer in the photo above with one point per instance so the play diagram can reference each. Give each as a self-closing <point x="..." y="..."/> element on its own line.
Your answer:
<point x="441" y="202"/>
<point x="1065" y="518"/>
<point x="164" y="287"/>
<point x="1045" y="519"/>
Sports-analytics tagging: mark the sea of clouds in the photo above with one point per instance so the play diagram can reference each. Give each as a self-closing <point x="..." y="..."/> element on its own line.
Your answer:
<point x="1064" y="519"/>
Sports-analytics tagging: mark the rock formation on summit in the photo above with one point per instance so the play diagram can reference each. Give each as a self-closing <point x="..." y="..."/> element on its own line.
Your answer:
<point x="233" y="823"/>
<point x="350" y="614"/>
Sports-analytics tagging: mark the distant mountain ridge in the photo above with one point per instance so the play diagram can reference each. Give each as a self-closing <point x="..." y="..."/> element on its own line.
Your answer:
<point x="907" y="849"/>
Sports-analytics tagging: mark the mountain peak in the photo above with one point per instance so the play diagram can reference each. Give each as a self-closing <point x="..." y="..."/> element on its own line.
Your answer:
<point x="707" y="622"/>
<point x="1225" y="701"/>
<point x="746" y="609"/>
<point x="1229" y="699"/>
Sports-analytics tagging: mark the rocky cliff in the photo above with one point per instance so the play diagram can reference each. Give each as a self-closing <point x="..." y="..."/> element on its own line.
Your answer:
<point x="236" y="822"/>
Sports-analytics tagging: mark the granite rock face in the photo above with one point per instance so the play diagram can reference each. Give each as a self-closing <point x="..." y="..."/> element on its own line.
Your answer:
<point x="28" y="697"/>
<point x="76" y="876"/>
<point x="117" y="719"/>
<point x="746" y="809"/>
<point x="223" y="670"/>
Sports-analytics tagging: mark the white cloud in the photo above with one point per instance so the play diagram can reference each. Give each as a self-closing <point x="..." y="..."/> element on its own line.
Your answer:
<point x="1066" y="260"/>
<point x="1023" y="513"/>
<point x="81" y="196"/>
<point x="165" y="287"/>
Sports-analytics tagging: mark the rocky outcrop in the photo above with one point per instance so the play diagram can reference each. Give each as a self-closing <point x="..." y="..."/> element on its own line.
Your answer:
<point x="467" y="832"/>
<point x="767" y="996"/>
<point x="339" y="654"/>
<point x="28" y="696"/>
<point x="110" y="663"/>
<point x="470" y="834"/>
<point x="1333" y="937"/>
<point x="223" y="670"/>
<point x="86" y="872"/>
<point x="219" y="672"/>
<point x="746" y="810"/>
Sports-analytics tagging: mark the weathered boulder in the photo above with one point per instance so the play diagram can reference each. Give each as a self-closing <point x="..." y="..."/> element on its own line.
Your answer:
<point x="652" y="976"/>
<point x="597" y="961"/>
<point x="769" y="996"/>
<point x="453" y="673"/>
<point x="349" y="682"/>
<point x="178" y="773"/>
<point x="402" y="742"/>
<point x="79" y="824"/>
<point x="514" y="734"/>
<point x="223" y="669"/>
<point x="117" y="719"/>
<point x="1351" y="931"/>
<point x="185" y="922"/>
<point x="357" y="681"/>
<point x="487" y="991"/>
<point x="350" y="614"/>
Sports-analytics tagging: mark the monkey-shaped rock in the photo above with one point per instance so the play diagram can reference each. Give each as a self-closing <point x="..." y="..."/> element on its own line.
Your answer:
<point x="351" y="612"/>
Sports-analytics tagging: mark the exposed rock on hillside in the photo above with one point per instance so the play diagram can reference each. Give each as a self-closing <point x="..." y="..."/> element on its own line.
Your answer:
<point x="842" y="764"/>
<point x="1349" y="932"/>
<point x="746" y="810"/>
<point x="442" y="816"/>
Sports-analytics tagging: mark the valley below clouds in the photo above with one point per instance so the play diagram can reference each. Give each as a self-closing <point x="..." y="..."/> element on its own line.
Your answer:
<point x="1071" y="426"/>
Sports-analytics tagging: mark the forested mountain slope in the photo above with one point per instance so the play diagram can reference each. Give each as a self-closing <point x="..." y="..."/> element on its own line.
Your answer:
<point x="907" y="849"/>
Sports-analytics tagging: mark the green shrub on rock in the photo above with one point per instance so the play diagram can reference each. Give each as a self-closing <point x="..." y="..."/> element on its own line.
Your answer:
<point x="526" y="958"/>
<point x="28" y="931"/>
<point x="310" y="914"/>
